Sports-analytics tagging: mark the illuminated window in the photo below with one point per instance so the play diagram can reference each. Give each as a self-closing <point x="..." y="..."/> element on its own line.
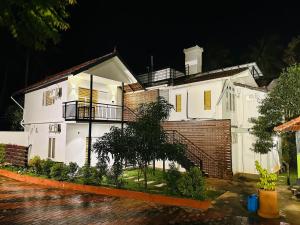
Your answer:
<point x="178" y="103"/>
<point x="207" y="100"/>
<point x="51" y="148"/>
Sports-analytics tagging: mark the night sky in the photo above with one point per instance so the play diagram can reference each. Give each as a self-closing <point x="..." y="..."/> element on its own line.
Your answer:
<point x="147" y="28"/>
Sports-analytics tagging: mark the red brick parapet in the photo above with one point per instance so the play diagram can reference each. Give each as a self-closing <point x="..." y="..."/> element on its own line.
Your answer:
<point x="161" y="199"/>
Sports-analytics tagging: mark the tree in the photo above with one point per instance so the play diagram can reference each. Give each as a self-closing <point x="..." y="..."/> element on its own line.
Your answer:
<point x="34" y="23"/>
<point x="14" y="115"/>
<point x="292" y="52"/>
<point x="281" y="105"/>
<point x="142" y="141"/>
<point x="216" y="56"/>
<point x="267" y="53"/>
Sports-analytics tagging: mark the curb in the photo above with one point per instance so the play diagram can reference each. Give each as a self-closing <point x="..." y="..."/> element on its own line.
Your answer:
<point x="166" y="200"/>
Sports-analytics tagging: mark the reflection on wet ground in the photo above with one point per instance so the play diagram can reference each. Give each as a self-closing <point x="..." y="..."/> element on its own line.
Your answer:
<point x="22" y="203"/>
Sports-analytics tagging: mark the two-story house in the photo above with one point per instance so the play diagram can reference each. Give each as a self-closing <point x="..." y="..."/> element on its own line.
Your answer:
<point x="64" y="113"/>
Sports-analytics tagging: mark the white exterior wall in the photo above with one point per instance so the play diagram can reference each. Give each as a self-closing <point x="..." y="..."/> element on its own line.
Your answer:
<point x="14" y="137"/>
<point x="37" y="119"/>
<point x="243" y="158"/>
<point x="76" y="140"/>
<point x="195" y="93"/>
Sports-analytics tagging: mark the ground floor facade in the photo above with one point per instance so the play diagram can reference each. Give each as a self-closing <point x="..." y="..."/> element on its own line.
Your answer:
<point x="228" y="148"/>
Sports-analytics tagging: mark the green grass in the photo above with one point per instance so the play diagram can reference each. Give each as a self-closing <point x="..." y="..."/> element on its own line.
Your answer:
<point x="157" y="176"/>
<point x="282" y="178"/>
<point x="130" y="184"/>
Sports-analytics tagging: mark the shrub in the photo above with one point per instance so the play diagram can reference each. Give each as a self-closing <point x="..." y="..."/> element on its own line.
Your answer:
<point x="73" y="168"/>
<point x="90" y="175"/>
<point x="192" y="184"/>
<point x="172" y="176"/>
<point x="36" y="164"/>
<point x="267" y="181"/>
<point x="113" y="175"/>
<point x="2" y="153"/>
<point x="59" y="171"/>
<point x="46" y="167"/>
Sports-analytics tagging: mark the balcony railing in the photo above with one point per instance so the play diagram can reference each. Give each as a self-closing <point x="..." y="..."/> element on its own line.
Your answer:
<point x="80" y="111"/>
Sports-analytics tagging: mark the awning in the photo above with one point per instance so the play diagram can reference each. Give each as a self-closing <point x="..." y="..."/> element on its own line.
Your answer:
<point x="292" y="125"/>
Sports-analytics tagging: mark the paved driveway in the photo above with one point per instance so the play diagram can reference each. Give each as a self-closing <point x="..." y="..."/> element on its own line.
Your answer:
<point x="22" y="203"/>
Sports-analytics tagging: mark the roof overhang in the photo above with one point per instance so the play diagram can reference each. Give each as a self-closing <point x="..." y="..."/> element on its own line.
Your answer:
<point x="292" y="125"/>
<point x="90" y="66"/>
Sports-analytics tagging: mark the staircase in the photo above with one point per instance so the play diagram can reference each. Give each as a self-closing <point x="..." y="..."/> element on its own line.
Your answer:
<point x="196" y="156"/>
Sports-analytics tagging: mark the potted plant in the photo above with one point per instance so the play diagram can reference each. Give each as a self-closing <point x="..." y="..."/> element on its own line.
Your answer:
<point x="268" y="205"/>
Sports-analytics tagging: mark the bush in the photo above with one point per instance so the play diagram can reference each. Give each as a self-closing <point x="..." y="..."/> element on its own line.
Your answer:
<point x="113" y="175"/>
<point x="2" y="153"/>
<point x="36" y="164"/>
<point x="59" y="171"/>
<point x="267" y="181"/>
<point x="46" y="167"/>
<point x="90" y="175"/>
<point x="73" y="168"/>
<point x="172" y="176"/>
<point x="192" y="184"/>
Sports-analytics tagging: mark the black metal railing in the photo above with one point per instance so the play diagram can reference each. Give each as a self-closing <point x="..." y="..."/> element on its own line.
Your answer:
<point x="80" y="110"/>
<point x="164" y="75"/>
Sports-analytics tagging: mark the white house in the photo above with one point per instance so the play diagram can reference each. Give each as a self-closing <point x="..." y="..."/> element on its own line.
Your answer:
<point x="62" y="114"/>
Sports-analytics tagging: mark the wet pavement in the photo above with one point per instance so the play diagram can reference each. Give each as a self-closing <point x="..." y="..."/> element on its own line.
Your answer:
<point x="22" y="203"/>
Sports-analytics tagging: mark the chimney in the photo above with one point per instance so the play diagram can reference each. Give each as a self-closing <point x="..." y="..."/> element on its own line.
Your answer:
<point x="193" y="59"/>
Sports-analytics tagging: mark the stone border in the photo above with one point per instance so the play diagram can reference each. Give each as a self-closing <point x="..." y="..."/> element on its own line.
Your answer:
<point x="204" y="205"/>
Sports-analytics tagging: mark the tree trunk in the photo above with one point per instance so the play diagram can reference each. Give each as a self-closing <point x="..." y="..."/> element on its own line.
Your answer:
<point x="145" y="176"/>
<point x="153" y="166"/>
<point x="27" y="67"/>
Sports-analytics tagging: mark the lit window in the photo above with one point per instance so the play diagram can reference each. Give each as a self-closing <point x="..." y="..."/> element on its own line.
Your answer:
<point x="178" y="103"/>
<point x="51" y="148"/>
<point x="207" y="100"/>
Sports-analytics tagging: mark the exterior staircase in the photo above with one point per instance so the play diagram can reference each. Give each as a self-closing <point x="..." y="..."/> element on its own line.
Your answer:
<point x="196" y="156"/>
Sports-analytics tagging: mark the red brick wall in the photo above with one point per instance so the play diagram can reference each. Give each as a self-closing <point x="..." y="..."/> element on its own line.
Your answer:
<point x="16" y="155"/>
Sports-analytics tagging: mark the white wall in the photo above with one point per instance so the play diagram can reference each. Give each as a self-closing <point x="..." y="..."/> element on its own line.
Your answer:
<point x="76" y="141"/>
<point x="35" y="112"/>
<point x="14" y="137"/>
<point x="243" y="158"/>
<point x="108" y="93"/>
<point x="39" y="139"/>
<point x="196" y="100"/>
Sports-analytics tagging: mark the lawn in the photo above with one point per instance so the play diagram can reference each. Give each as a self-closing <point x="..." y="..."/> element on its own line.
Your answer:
<point x="130" y="177"/>
<point x="282" y="178"/>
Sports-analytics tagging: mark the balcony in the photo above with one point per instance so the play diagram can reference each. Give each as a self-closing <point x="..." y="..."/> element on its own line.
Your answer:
<point x="80" y="111"/>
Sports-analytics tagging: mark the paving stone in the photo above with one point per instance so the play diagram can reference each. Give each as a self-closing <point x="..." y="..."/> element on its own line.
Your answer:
<point x="160" y="185"/>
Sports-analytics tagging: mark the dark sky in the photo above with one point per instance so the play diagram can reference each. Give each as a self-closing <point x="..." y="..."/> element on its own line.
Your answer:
<point x="149" y="28"/>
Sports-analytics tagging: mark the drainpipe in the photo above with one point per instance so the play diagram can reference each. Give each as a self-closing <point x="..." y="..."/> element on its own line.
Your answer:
<point x="18" y="104"/>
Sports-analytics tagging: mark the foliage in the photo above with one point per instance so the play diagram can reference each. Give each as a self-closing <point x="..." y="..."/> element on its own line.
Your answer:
<point x="46" y="166"/>
<point x="267" y="180"/>
<point x="14" y="116"/>
<point x="113" y="175"/>
<point x="33" y="23"/>
<point x="73" y="168"/>
<point x="36" y="164"/>
<point x="90" y="175"/>
<point x="139" y="142"/>
<point x="292" y="52"/>
<point x="172" y="176"/>
<point x="267" y="53"/>
<point x="2" y="153"/>
<point x="192" y="184"/>
<point x="59" y="171"/>
<point x="281" y="104"/>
